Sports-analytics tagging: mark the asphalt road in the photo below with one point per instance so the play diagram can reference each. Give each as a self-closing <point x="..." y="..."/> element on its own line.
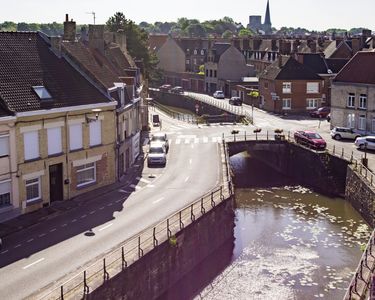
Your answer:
<point x="53" y="250"/>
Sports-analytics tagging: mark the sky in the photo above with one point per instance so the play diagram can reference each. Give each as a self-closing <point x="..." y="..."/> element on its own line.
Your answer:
<point x="309" y="14"/>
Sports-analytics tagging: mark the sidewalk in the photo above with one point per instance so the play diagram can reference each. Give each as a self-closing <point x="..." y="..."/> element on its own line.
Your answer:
<point x="55" y="209"/>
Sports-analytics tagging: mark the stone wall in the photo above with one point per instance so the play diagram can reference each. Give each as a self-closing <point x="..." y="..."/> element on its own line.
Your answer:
<point x="360" y="195"/>
<point x="159" y="270"/>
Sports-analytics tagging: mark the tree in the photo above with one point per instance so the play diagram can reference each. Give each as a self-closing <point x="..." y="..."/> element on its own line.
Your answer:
<point x="137" y="44"/>
<point x="245" y="33"/>
<point x="227" y="34"/>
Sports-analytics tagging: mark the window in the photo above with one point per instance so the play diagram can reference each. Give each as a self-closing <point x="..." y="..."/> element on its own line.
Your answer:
<point x="215" y="73"/>
<point x="362" y="123"/>
<point x="95" y="133"/>
<point x="202" y="52"/>
<point x="351" y="100"/>
<point x="42" y="92"/>
<point x="195" y="52"/>
<point x="4" y="145"/>
<point x="86" y="174"/>
<point x="33" y="189"/>
<point x="287" y="87"/>
<point x="75" y="136"/>
<point x="287" y="103"/>
<point x="210" y="73"/>
<point x="54" y="140"/>
<point x="363" y="101"/>
<point x="31" y="144"/>
<point x="350" y="121"/>
<point x="373" y="125"/>
<point x="206" y="73"/>
<point x="5" y="189"/>
<point x="188" y="61"/>
<point x="312" y="103"/>
<point x="266" y="84"/>
<point x="312" y="87"/>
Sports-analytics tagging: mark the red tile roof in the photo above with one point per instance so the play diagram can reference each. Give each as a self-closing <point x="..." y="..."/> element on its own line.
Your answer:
<point x="26" y="60"/>
<point x="360" y="69"/>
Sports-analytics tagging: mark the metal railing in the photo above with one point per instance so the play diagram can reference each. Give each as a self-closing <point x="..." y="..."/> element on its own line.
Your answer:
<point x="360" y="284"/>
<point x="189" y="118"/>
<point x="93" y="276"/>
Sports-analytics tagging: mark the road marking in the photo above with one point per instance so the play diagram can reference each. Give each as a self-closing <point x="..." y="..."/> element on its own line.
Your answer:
<point x="187" y="178"/>
<point x="178" y="141"/>
<point x="190" y="161"/>
<point x="92" y="212"/>
<point x="214" y="139"/>
<point x="5" y="251"/>
<point x="143" y="180"/>
<point x="101" y="207"/>
<point x="150" y="185"/>
<point x="63" y="225"/>
<point x="158" y="200"/>
<point x="119" y="200"/>
<point x="83" y="216"/>
<point x="30" y="240"/>
<point x="52" y="230"/>
<point x="110" y="204"/>
<point x="34" y="263"/>
<point x="42" y="235"/>
<point x="74" y="220"/>
<point x="196" y="140"/>
<point x="187" y="141"/>
<point x="135" y="187"/>
<point x="205" y="139"/>
<point x="123" y="191"/>
<point x="106" y="226"/>
<point x="17" y="246"/>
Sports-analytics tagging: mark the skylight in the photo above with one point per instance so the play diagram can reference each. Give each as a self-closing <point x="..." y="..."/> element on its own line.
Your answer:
<point x="42" y="92"/>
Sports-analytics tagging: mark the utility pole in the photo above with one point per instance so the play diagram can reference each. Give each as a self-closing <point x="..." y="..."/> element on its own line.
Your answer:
<point x="93" y="14"/>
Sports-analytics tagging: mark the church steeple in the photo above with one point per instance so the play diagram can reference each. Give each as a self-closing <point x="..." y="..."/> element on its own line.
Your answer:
<point x="267" y="21"/>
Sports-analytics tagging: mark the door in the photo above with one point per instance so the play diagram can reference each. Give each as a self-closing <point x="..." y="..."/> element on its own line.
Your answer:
<point x="121" y="164"/>
<point x="56" y="182"/>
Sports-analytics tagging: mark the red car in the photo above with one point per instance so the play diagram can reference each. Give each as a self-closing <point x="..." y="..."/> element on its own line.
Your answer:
<point x="310" y="139"/>
<point x="321" y="112"/>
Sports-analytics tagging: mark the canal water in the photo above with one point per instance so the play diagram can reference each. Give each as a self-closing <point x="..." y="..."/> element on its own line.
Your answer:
<point x="290" y="242"/>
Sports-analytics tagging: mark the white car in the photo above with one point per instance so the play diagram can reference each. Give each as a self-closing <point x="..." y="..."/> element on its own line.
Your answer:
<point x="219" y="95"/>
<point x="157" y="154"/>
<point x="339" y="133"/>
<point x="365" y="142"/>
<point x="160" y="137"/>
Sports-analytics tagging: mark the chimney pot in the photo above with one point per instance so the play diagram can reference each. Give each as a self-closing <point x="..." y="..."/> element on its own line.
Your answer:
<point x="66" y="17"/>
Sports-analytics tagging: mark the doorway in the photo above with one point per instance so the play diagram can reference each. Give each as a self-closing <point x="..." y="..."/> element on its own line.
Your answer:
<point x="56" y="182"/>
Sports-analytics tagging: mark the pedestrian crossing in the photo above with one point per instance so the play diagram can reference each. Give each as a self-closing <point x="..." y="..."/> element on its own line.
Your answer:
<point x="181" y="140"/>
<point x="189" y="126"/>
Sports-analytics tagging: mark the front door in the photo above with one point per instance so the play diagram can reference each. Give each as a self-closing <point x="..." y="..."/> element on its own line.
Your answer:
<point x="56" y="182"/>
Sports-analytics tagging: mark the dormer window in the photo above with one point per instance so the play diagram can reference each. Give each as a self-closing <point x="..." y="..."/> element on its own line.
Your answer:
<point x="42" y="92"/>
<point x="195" y="52"/>
<point x="202" y="52"/>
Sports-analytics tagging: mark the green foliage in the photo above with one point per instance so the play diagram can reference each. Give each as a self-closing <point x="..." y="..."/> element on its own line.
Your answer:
<point x="245" y="32"/>
<point x="201" y="70"/>
<point x="227" y="34"/>
<point x="254" y="94"/>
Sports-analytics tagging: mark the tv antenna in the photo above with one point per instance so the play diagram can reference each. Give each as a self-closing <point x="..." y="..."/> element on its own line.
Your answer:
<point x="93" y="14"/>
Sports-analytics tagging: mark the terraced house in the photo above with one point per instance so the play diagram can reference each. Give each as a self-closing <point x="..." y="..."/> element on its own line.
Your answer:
<point x="57" y="128"/>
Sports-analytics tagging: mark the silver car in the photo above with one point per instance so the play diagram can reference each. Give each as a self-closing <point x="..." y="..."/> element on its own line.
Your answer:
<point x="160" y="137"/>
<point x="157" y="154"/>
<point x="339" y="133"/>
<point x="219" y="95"/>
<point x="365" y="142"/>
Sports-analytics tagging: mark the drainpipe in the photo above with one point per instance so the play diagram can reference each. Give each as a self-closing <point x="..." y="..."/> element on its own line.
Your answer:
<point x="67" y="154"/>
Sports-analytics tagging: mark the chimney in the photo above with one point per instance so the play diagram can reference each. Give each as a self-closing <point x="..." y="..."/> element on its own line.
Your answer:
<point x="356" y="45"/>
<point x="56" y="45"/>
<point x="280" y="61"/>
<point x="69" y="29"/>
<point x="84" y="35"/>
<point x="120" y="39"/>
<point x="313" y="46"/>
<point x="96" y="37"/>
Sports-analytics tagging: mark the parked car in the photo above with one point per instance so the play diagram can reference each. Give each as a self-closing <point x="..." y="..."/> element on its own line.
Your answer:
<point x="155" y="120"/>
<point x="165" y="87"/>
<point x="321" y="112"/>
<point x="160" y="137"/>
<point x="235" y="101"/>
<point x="310" y="139"/>
<point x="177" y="90"/>
<point x="157" y="154"/>
<point x="365" y="142"/>
<point x="219" y="95"/>
<point x="339" y="133"/>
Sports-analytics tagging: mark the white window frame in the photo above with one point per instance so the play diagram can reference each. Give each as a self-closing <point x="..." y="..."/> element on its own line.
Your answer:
<point x="287" y="87"/>
<point x="312" y="101"/>
<point x="56" y="146"/>
<point x="94" y="142"/>
<point x="27" y="154"/>
<point x="74" y="128"/>
<point x="350" y="120"/>
<point x="362" y="101"/>
<point x="351" y="100"/>
<point x="86" y="167"/>
<point x="287" y="101"/>
<point x="8" y="182"/>
<point x="362" y="122"/>
<point x="4" y="149"/>
<point x="31" y="184"/>
<point x="312" y="88"/>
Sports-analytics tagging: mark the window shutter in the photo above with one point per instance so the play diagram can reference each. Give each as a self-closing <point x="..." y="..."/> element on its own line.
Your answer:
<point x="31" y="144"/>
<point x="75" y="136"/>
<point x="95" y="133"/>
<point x="54" y="140"/>
<point x="4" y="145"/>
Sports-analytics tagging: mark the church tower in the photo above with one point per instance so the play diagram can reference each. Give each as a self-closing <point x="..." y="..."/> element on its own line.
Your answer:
<point x="267" y="26"/>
